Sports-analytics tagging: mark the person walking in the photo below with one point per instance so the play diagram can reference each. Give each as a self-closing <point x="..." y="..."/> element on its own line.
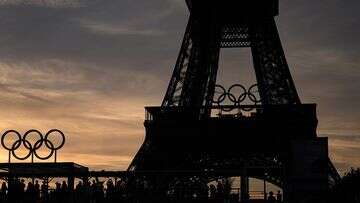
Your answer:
<point x="271" y="198"/>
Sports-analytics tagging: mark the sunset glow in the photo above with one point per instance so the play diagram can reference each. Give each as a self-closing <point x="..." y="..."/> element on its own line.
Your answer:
<point x="89" y="68"/>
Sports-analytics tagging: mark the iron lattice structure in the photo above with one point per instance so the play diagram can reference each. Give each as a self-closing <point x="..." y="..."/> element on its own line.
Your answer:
<point x="274" y="139"/>
<point x="209" y="29"/>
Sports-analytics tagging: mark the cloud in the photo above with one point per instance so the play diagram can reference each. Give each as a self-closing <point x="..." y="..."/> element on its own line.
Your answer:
<point x="344" y="150"/>
<point x="111" y="29"/>
<point x="51" y="78"/>
<point x="44" y="3"/>
<point x="82" y="100"/>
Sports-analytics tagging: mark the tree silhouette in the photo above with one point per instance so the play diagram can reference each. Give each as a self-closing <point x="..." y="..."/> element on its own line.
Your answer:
<point x="348" y="189"/>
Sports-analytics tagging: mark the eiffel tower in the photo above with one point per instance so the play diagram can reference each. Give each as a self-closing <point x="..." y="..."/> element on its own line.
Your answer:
<point x="208" y="131"/>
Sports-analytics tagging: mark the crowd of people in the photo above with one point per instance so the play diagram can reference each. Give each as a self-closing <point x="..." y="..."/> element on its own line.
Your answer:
<point x="18" y="191"/>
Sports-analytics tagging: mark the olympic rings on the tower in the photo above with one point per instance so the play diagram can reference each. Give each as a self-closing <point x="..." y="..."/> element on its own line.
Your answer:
<point x="34" y="146"/>
<point x="236" y="95"/>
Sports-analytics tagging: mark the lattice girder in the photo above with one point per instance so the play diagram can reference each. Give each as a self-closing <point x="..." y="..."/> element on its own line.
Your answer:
<point x="195" y="73"/>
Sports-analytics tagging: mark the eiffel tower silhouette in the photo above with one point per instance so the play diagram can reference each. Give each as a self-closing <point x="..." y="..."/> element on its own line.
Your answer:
<point x="196" y="132"/>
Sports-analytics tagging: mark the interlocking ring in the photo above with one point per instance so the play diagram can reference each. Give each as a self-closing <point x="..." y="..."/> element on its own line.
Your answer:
<point x="222" y="95"/>
<point x="33" y="147"/>
<point x="254" y="96"/>
<point x="242" y="95"/>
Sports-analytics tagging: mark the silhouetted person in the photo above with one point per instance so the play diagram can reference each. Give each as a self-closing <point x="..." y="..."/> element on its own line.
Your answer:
<point x="64" y="191"/>
<point x="93" y="191"/>
<point x="220" y="191"/>
<point x="79" y="192"/>
<point x="44" y="191"/>
<point x="120" y="190"/>
<point x="57" y="187"/>
<point x="78" y="186"/>
<point x="3" y="192"/>
<point x="110" y="189"/>
<point x="21" y="186"/>
<point x="212" y="191"/>
<point x="64" y="187"/>
<point x="30" y="193"/>
<point x="37" y="189"/>
<point x="57" y="193"/>
<point x="271" y="198"/>
<point x="279" y="197"/>
<point x="19" y="190"/>
<point x="87" y="192"/>
<point x="100" y="192"/>
<point x="13" y="190"/>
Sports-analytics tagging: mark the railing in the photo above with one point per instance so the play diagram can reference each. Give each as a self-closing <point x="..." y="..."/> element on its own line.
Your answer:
<point x="229" y="111"/>
<point x="104" y="192"/>
<point x="152" y="113"/>
<point x="236" y="191"/>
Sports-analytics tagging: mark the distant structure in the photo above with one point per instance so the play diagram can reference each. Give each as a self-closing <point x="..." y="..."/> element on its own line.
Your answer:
<point x="39" y="148"/>
<point x="203" y="131"/>
<point x="32" y="146"/>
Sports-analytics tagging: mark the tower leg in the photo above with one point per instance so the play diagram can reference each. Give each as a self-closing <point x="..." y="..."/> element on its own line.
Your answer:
<point x="306" y="177"/>
<point x="276" y="85"/>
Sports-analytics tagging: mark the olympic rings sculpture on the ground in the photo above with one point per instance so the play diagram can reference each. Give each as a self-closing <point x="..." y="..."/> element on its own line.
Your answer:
<point x="32" y="148"/>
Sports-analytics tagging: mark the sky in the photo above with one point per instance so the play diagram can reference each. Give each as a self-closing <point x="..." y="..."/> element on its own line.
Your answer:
<point x="88" y="67"/>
